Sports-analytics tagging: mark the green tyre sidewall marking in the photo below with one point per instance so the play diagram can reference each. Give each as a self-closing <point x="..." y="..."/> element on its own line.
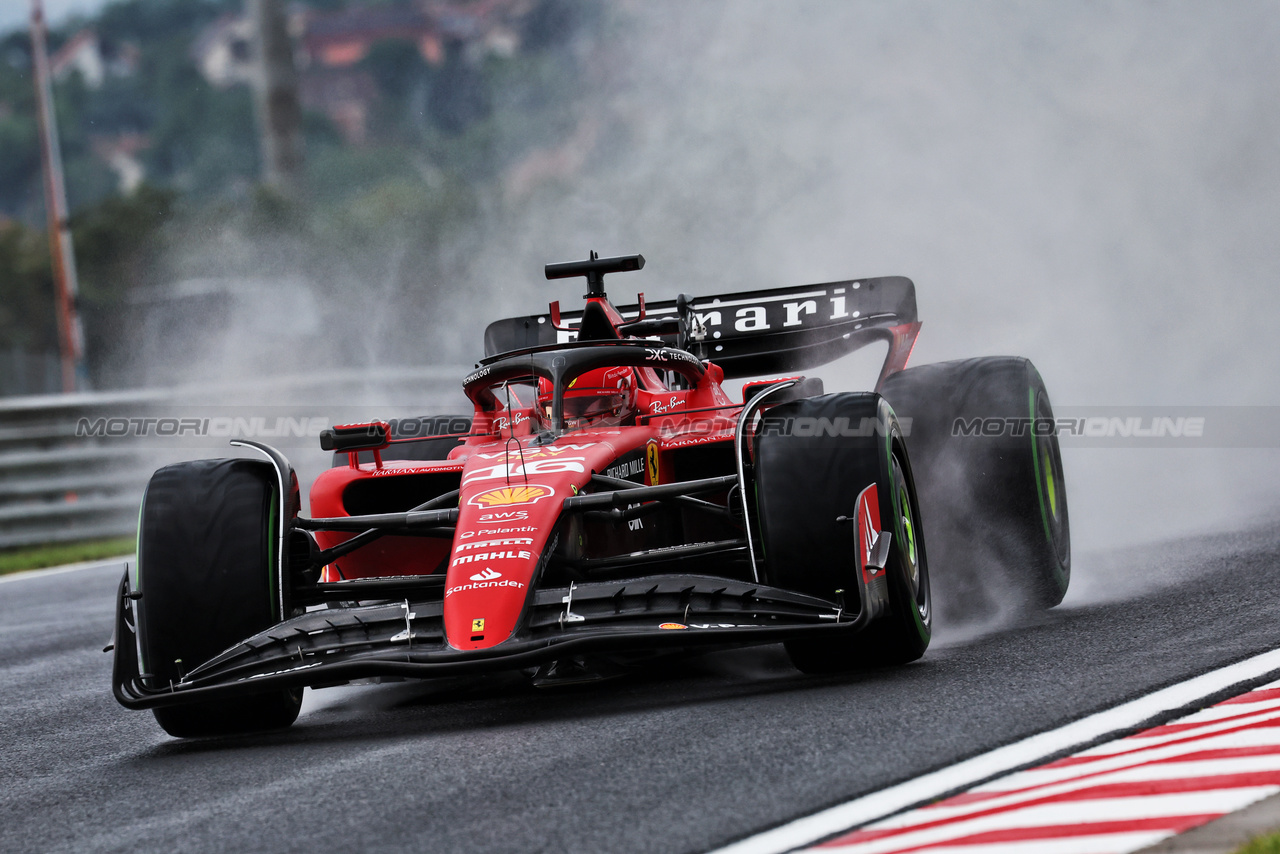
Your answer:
<point x="1041" y="487"/>
<point x="899" y="491"/>
<point x="890" y="427"/>
<point x="1035" y="461"/>
<point x="908" y="526"/>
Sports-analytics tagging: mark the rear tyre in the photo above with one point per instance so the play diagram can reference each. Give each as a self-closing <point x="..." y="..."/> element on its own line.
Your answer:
<point x="805" y="479"/>
<point x="206" y="567"/>
<point x="990" y="475"/>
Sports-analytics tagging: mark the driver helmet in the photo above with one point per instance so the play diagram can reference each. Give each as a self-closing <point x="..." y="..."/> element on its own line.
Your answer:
<point x="603" y="397"/>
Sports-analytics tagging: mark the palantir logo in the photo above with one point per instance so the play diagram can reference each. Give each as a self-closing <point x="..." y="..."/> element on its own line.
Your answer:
<point x="486" y="575"/>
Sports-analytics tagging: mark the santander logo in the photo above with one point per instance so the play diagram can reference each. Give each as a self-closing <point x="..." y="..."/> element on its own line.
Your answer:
<point x="486" y="575"/>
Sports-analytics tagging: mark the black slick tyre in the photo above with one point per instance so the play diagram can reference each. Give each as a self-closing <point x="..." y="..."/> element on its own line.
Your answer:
<point x="813" y="457"/>
<point x="206" y="570"/>
<point x="989" y="472"/>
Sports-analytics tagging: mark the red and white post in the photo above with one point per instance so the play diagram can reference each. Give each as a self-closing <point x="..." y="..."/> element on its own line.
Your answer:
<point x="70" y="332"/>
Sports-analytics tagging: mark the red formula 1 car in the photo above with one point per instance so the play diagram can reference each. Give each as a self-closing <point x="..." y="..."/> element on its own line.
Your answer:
<point x="607" y="503"/>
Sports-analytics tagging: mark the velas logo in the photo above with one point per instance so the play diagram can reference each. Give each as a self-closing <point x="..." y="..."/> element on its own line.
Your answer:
<point x="486" y="575"/>
<point x="509" y="495"/>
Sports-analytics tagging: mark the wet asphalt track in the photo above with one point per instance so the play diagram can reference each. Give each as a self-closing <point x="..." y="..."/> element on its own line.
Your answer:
<point x="682" y="760"/>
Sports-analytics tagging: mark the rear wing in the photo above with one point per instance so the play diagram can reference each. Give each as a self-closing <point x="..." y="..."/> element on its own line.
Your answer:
<point x="754" y="333"/>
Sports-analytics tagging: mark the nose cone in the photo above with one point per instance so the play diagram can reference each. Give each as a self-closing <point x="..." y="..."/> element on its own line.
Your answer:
<point x="509" y="504"/>
<point x="486" y="585"/>
<point x="502" y="531"/>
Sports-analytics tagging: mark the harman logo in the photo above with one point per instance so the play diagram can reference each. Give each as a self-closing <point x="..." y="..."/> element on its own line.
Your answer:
<point x="486" y="575"/>
<point x="509" y="495"/>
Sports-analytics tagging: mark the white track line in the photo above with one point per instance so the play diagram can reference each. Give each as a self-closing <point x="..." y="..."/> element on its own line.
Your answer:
<point x="860" y="811"/>
<point x="70" y="567"/>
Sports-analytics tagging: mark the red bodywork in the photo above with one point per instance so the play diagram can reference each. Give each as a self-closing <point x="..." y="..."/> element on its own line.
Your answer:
<point x="572" y="531"/>
<point x="512" y="492"/>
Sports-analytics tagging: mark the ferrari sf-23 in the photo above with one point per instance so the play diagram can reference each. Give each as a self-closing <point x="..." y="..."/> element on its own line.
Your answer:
<point x="606" y="504"/>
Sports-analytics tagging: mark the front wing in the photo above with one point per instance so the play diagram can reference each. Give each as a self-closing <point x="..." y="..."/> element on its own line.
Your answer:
<point x="332" y="646"/>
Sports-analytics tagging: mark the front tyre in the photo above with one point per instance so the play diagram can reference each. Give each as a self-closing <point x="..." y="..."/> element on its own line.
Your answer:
<point x="813" y="459"/>
<point x="206" y="569"/>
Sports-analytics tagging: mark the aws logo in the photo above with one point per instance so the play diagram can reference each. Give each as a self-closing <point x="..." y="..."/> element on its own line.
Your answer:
<point x="509" y="495"/>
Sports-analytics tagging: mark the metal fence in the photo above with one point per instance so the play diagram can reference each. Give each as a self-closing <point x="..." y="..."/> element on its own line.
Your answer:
<point x="73" y="467"/>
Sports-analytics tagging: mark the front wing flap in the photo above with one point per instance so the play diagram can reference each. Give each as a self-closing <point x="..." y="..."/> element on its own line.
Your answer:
<point x="335" y="645"/>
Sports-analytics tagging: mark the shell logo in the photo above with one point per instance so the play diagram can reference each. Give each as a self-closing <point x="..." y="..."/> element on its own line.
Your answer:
<point x="509" y="495"/>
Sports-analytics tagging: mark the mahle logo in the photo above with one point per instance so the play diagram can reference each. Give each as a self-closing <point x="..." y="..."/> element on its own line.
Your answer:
<point x="509" y="495"/>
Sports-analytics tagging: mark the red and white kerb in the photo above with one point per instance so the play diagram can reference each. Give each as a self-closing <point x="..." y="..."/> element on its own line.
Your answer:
<point x="1118" y="797"/>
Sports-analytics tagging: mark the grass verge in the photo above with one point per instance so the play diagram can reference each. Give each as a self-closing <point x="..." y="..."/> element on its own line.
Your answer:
<point x="1269" y="844"/>
<point x="39" y="557"/>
